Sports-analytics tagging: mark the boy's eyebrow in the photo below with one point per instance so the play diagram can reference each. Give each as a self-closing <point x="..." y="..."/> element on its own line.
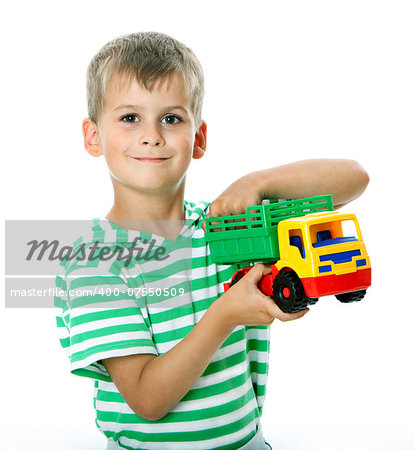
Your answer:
<point x="140" y="107"/>
<point x="126" y="107"/>
<point x="177" y="107"/>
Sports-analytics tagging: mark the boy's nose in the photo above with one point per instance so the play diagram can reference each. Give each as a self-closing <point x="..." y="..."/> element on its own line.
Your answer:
<point x="151" y="137"/>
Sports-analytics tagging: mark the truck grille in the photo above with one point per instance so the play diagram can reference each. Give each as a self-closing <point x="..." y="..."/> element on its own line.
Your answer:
<point x="342" y="257"/>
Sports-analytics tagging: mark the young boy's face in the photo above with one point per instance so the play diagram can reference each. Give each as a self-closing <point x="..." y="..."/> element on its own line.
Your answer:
<point x="148" y="138"/>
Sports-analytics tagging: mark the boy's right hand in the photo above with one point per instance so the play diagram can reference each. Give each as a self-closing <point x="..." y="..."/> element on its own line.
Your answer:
<point x="141" y="379"/>
<point x="245" y="304"/>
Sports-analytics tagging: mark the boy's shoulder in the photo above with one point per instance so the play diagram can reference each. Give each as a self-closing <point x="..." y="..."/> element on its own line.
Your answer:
<point x="89" y="252"/>
<point x="99" y="238"/>
<point x="196" y="211"/>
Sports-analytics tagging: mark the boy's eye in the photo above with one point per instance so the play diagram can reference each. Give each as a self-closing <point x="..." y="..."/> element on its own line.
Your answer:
<point x="170" y="119"/>
<point x="130" y="118"/>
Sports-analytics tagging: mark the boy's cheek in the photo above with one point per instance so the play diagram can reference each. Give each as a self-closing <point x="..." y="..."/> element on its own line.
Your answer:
<point x="180" y="143"/>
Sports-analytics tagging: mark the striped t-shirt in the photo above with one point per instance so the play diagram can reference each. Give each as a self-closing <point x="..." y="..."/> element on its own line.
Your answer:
<point x="145" y="304"/>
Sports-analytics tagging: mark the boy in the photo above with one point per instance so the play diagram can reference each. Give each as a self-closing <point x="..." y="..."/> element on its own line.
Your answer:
<point x="170" y="372"/>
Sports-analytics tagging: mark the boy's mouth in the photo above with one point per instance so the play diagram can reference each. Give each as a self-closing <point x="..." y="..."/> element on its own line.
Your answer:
<point x="151" y="160"/>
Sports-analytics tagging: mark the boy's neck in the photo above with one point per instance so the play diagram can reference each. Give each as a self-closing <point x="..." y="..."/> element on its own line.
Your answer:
<point x="161" y="214"/>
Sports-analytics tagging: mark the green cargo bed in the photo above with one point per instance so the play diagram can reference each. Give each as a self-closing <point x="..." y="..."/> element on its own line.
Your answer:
<point x="252" y="237"/>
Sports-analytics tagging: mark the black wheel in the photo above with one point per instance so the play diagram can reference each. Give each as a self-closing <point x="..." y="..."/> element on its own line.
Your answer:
<point x="312" y="301"/>
<point x="288" y="293"/>
<point x="349" y="297"/>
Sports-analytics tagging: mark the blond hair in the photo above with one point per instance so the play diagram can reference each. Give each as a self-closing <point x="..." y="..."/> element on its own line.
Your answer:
<point x="148" y="57"/>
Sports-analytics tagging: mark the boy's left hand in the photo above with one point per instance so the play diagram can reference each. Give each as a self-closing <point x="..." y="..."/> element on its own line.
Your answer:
<point x="344" y="179"/>
<point x="235" y="199"/>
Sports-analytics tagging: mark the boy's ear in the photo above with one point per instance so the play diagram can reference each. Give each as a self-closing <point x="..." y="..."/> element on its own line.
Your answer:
<point x="91" y="137"/>
<point x="200" y="142"/>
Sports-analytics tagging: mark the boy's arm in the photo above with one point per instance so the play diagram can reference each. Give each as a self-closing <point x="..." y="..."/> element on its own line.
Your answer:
<point x="344" y="179"/>
<point x="153" y="385"/>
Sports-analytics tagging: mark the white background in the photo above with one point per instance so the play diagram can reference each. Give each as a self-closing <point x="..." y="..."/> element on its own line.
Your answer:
<point x="285" y="80"/>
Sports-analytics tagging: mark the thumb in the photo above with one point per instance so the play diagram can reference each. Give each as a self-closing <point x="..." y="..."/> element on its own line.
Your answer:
<point x="203" y="225"/>
<point x="258" y="272"/>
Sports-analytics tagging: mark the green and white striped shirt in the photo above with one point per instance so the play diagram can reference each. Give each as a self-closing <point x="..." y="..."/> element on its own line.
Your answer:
<point x="114" y="307"/>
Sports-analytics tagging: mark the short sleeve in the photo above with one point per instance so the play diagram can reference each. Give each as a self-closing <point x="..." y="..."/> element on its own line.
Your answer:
<point x="100" y="316"/>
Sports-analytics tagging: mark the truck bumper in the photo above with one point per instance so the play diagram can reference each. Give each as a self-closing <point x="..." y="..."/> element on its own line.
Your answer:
<point x="337" y="284"/>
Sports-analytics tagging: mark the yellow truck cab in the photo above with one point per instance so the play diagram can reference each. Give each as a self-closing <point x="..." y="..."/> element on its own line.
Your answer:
<point x="327" y="252"/>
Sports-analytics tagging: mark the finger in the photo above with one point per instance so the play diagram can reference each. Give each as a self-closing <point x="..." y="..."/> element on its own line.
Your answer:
<point x="287" y="317"/>
<point x="258" y="272"/>
<point x="224" y="208"/>
<point x="214" y="225"/>
<point x="215" y="210"/>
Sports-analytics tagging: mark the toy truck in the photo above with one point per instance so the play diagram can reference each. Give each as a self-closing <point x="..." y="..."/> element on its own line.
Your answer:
<point x="314" y="251"/>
